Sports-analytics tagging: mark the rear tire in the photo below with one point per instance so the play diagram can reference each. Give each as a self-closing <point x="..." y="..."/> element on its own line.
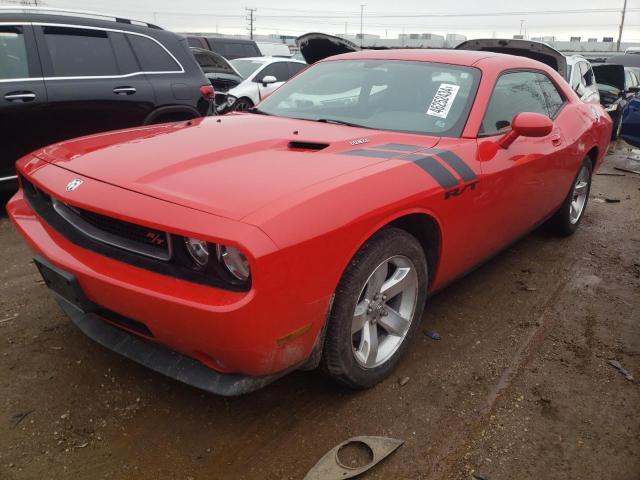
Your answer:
<point x="568" y="217"/>
<point x="377" y="309"/>
<point x="617" y="126"/>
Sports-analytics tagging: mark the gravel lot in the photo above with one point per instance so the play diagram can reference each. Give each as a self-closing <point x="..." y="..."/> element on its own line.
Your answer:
<point x="519" y="386"/>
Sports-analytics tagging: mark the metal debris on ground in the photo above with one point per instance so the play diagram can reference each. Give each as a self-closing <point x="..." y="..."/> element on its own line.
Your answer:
<point x="19" y="417"/>
<point x="611" y="174"/>
<point x="432" y="335"/>
<point x="403" y="381"/>
<point x="618" y="366"/>
<point x="330" y="467"/>
<point x="612" y="200"/>
<point x="479" y="476"/>
<point x="9" y="318"/>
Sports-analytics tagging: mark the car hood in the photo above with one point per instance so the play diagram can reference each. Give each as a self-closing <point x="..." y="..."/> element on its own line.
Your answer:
<point x="610" y="75"/>
<point x="229" y="166"/>
<point x="318" y="46"/>
<point x="539" y="51"/>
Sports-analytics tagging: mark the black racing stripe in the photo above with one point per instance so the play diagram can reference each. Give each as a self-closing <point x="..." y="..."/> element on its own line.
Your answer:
<point x="371" y="153"/>
<point x="455" y="162"/>
<point x="437" y="171"/>
<point x="398" y="146"/>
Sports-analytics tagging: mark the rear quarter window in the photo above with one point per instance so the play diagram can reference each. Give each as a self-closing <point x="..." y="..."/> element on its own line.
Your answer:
<point x="152" y="56"/>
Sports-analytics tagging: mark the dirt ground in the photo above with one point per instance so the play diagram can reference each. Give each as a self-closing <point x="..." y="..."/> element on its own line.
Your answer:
<point x="519" y="386"/>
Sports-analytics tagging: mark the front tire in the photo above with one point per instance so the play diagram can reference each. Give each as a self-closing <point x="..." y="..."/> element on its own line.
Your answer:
<point x="567" y="220"/>
<point x="377" y="309"/>
<point x="242" y="105"/>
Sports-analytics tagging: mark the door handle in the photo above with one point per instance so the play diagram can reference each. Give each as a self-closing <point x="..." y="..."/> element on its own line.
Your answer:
<point x="20" y="96"/>
<point x="124" y="90"/>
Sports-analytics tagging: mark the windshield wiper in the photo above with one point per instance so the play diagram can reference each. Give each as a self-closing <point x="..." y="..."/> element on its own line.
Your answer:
<point x="340" y="122"/>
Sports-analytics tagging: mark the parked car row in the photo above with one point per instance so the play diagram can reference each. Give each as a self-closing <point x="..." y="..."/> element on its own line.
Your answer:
<point x="64" y="75"/>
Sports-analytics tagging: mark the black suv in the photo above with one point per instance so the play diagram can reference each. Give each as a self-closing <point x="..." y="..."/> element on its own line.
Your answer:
<point x="65" y="74"/>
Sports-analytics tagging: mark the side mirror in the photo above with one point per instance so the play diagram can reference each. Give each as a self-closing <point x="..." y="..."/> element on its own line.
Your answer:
<point x="269" y="79"/>
<point x="527" y="124"/>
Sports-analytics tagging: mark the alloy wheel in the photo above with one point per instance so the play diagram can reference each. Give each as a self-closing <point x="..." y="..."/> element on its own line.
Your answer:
<point x="579" y="195"/>
<point x="384" y="311"/>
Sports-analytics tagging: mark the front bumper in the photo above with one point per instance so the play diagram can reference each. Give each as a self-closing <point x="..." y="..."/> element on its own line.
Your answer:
<point x="242" y="334"/>
<point x="160" y="359"/>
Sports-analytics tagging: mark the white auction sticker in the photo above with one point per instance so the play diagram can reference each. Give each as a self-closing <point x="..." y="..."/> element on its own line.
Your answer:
<point x="442" y="100"/>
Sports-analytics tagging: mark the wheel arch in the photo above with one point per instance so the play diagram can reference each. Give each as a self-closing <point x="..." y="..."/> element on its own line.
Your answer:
<point x="420" y="223"/>
<point x="181" y="112"/>
<point x="593" y="155"/>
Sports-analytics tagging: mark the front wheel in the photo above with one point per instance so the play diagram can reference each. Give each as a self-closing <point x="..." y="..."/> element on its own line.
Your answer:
<point x="377" y="309"/>
<point x="242" y="105"/>
<point x="568" y="218"/>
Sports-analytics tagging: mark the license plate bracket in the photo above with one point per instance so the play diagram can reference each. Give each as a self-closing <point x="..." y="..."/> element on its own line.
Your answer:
<point x="64" y="284"/>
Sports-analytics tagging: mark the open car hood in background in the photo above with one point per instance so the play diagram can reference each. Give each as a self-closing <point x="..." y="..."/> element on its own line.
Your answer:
<point x="610" y="75"/>
<point x="317" y="46"/>
<point x="524" y="48"/>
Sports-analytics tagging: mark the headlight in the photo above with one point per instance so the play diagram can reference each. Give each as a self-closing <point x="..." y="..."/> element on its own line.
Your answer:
<point x="231" y="100"/>
<point x="611" y="108"/>
<point x="234" y="261"/>
<point x="198" y="250"/>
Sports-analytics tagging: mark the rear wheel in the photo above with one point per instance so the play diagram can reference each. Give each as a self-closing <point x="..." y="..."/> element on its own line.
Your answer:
<point x="569" y="216"/>
<point x="377" y="309"/>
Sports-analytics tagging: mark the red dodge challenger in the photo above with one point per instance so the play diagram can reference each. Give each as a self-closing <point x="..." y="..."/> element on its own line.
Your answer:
<point x="227" y="251"/>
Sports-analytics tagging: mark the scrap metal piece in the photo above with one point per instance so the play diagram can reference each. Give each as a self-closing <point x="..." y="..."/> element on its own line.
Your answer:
<point x="329" y="466"/>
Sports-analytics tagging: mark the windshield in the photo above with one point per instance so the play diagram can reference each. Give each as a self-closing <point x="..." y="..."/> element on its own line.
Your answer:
<point x="408" y="96"/>
<point x="246" y="67"/>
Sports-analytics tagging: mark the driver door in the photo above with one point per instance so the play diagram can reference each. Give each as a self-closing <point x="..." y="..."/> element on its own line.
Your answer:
<point x="519" y="183"/>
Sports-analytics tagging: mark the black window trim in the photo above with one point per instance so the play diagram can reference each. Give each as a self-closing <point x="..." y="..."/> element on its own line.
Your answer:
<point x="516" y="70"/>
<point x="126" y="32"/>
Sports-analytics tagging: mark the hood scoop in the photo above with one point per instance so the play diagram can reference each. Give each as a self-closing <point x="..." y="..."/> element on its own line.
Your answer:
<point x="314" y="146"/>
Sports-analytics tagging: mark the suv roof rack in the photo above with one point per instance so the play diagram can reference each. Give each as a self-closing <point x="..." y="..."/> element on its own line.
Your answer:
<point x="77" y="13"/>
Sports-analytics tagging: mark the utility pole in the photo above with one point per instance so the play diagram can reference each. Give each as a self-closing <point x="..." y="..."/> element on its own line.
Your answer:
<point x="624" y="11"/>
<point x="361" y="17"/>
<point x="522" y="23"/>
<point x="250" y="19"/>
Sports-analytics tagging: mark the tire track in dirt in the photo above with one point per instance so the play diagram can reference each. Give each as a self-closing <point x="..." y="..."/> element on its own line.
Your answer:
<point x="459" y="431"/>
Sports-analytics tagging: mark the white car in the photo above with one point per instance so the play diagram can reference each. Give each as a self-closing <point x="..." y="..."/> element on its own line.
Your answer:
<point x="261" y="76"/>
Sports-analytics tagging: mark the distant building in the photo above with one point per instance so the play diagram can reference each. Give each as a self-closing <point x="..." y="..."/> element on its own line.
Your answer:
<point x="592" y="40"/>
<point x="518" y="37"/>
<point x="575" y="39"/>
<point x="607" y="39"/>
<point x="454" y="39"/>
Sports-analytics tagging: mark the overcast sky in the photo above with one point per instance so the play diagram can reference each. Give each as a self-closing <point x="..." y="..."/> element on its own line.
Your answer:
<point x="382" y="17"/>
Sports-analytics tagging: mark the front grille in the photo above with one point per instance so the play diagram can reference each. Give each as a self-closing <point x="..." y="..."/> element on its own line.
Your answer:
<point x="143" y="247"/>
<point x="111" y="231"/>
<point x="152" y="242"/>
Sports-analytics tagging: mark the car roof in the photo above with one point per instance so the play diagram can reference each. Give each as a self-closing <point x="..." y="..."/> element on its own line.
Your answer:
<point x="453" y="57"/>
<point x="88" y="21"/>
<point x="269" y="59"/>
<point x="456" y="57"/>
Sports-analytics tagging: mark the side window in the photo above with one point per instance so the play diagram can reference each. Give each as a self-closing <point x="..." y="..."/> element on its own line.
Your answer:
<point x="576" y="79"/>
<point x="551" y="95"/>
<point x="278" y="70"/>
<point x="514" y="92"/>
<point x="77" y="52"/>
<point x="294" y="68"/>
<point x="152" y="57"/>
<point x="587" y="74"/>
<point x="13" y="53"/>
